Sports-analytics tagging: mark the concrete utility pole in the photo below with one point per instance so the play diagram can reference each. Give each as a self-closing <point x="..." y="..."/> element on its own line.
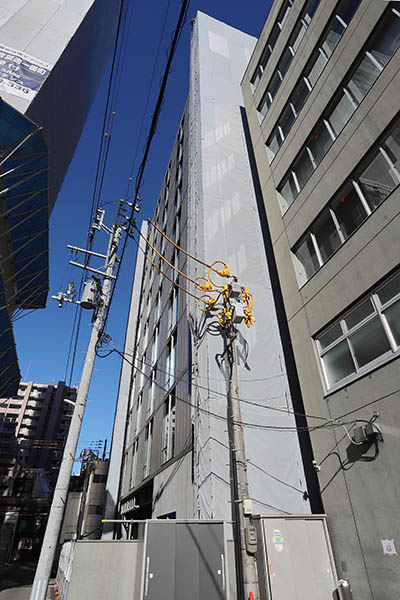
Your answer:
<point x="245" y="540"/>
<point x="50" y="540"/>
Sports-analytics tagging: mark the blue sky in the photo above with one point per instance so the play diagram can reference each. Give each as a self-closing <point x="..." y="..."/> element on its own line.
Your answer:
<point x="43" y="337"/>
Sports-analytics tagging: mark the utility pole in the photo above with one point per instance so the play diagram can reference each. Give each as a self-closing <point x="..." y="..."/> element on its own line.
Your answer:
<point x="50" y="540"/>
<point x="244" y="531"/>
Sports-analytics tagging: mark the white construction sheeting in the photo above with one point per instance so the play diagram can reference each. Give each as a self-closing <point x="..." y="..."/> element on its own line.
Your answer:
<point x="224" y="225"/>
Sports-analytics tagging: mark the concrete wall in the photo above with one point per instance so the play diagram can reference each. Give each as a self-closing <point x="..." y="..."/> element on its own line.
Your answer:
<point x="105" y="570"/>
<point x="361" y="503"/>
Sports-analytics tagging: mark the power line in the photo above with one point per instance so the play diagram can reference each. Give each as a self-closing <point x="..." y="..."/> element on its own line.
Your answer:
<point x="330" y="424"/>
<point x="208" y="389"/>
<point x="101" y="165"/>
<point x="153" y="128"/>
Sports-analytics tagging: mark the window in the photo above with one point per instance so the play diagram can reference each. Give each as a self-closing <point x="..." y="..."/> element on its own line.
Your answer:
<point x="276" y="29"/>
<point x="320" y="142"/>
<point x="170" y="373"/>
<point x="336" y="30"/>
<point x="370" y="184"/>
<point x="325" y="47"/>
<point x="326" y="235"/>
<point x="341" y="112"/>
<point x="349" y="210"/>
<point x="286" y="57"/>
<point x="364" y="336"/>
<point x="178" y="198"/>
<point x="316" y="67"/>
<point x="148" y="442"/>
<point x="356" y="84"/>
<point x="139" y="404"/>
<point x="173" y="311"/>
<point x="156" y="342"/>
<point x="175" y="262"/>
<point x="132" y="480"/>
<point x="379" y="179"/>
<point x="303" y="167"/>
<point x="153" y="387"/>
<point x="168" y="435"/>
<point x="157" y="308"/>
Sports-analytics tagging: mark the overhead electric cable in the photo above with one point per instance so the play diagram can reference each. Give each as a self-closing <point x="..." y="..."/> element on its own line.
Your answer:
<point x="330" y="424"/>
<point x="95" y="201"/>
<point x="153" y="127"/>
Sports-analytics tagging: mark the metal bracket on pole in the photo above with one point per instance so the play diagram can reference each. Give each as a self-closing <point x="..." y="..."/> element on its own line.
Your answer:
<point x="86" y="268"/>
<point x="90" y="252"/>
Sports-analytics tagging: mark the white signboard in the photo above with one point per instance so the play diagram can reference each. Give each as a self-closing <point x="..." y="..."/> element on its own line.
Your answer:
<point x="21" y="74"/>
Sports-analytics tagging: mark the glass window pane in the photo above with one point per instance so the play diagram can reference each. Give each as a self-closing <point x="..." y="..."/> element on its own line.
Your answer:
<point x="264" y="105"/>
<point x="256" y="77"/>
<point x="283" y="16"/>
<point x="326" y="235"/>
<point x="265" y="55"/>
<point x="303" y="168"/>
<point x="274" y="141"/>
<point x="288" y="191"/>
<point x="338" y="363"/>
<point x="341" y="113"/>
<point x="310" y="9"/>
<point x="392" y="146"/>
<point x="369" y="342"/>
<point x="359" y="313"/>
<point x="297" y="36"/>
<point x="306" y="255"/>
<point x="349" y="210"/>
<point x="274" y="84"/>
<point x="284" y="63"/>
<point x="363" y="79"/>
<point x="320" y="142"/>
<point x="299" y="96"/>
<point x="286" y="120"/>
<point x="378" y="180"/>
<point x="329" y="336"/>
<point x="347" y="10"/>
<point x="333" y="36"/>
<point x="317" y="63"/>
<point x="392" y="315"/>
<point x="390" y="289"/>
<point x="274" y="35"/>
<point x="387" y="39"/>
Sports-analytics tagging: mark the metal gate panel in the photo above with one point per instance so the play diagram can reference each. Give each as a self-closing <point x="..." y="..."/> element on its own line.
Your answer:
<point x="298" y="562"/>
<point x="184" y="559"/>
<point x="159" y="562"/>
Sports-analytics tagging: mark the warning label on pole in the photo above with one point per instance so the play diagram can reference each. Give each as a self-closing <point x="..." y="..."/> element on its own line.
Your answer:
<point x="21" y="74"/>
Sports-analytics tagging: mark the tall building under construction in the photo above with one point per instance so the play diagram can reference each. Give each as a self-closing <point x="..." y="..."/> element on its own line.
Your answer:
<point x="170" y="452"/>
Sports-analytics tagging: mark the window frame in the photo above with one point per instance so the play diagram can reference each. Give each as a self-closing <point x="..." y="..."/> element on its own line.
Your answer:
<point x="341" y="91"/>
<point x="351" y="182"/>
<point x="340" y="7"/>
<point x="379" y="309"/>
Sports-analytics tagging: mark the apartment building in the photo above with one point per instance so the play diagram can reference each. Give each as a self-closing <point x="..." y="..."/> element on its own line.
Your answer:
<point x="35" y="424"/>
<point x="170" y="451"/>
<point x="321" y="94"/>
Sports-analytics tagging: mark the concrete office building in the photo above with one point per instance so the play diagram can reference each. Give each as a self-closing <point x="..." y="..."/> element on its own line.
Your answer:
<point x="52" y="56"/>
<point x="321" y="93"/>
<point x="170" y="434"/>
